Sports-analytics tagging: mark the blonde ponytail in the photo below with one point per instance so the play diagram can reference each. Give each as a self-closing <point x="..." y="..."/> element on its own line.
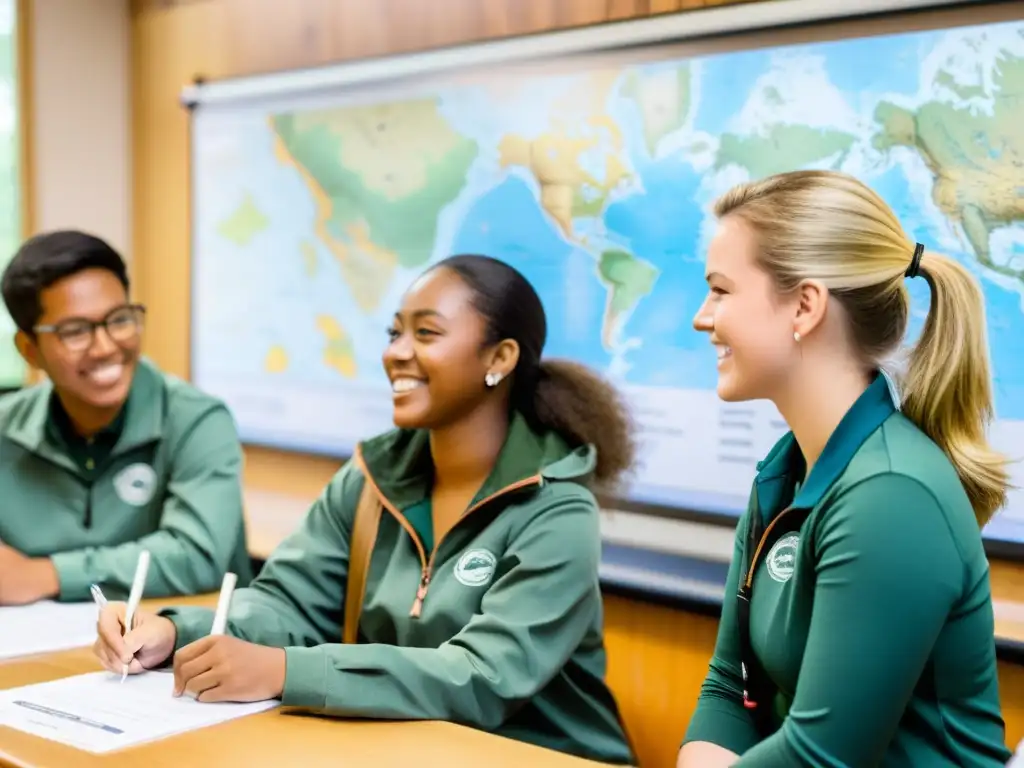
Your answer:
<point x="947" y="388"/>
<point x="830" y="227"/>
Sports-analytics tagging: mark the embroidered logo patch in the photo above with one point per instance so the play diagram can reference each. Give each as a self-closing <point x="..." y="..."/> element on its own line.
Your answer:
<point x="782" y="558"/>
<point x="135" y="484"/>
<point x="475" y="568"/>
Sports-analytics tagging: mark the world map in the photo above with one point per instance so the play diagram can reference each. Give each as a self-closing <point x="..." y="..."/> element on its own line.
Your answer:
<point x="596" y="185"/>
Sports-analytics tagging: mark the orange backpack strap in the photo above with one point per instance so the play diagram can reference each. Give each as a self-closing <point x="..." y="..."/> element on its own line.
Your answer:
<point x="360" y="547"/>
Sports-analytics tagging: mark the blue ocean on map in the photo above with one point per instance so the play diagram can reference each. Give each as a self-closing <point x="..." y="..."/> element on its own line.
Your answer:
<point x="507" y="223"/>
<point x="661" y="225"/>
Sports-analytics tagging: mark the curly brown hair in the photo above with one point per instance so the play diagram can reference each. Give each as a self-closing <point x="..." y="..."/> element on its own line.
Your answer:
<point x="585" y="408"/>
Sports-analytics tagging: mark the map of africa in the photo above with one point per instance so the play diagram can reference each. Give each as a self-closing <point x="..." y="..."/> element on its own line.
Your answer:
<point x="597" y="185"/>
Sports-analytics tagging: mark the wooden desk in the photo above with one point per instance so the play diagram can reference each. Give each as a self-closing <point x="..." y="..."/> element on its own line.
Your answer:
<point x="274" y="738"/>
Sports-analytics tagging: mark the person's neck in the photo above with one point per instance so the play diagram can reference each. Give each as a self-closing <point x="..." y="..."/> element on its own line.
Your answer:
<point x="88" y="420"/>
<point x="466" y="452"/>
<point x="815" y="404"/>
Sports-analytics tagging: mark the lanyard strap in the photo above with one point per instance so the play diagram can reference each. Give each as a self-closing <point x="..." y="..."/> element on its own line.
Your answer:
<point x="758" y="689"/>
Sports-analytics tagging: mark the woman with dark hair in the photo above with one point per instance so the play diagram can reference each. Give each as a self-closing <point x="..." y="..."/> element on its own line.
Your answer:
<point x="482" y="603"/>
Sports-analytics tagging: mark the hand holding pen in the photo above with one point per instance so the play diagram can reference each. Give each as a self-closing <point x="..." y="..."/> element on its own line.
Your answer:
<point x="150" y="640"/>
<point x="220" y="667"/>
<point x="129" y="640"/>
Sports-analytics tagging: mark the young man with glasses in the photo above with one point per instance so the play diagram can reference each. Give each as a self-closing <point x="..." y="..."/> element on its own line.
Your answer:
<point x="109" y="456"/>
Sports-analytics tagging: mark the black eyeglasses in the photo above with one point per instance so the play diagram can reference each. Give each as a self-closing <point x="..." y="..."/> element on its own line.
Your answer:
<point x="77" y="334"/>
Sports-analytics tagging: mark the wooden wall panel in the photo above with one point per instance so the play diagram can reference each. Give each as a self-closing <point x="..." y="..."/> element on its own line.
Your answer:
<point x="657" y="656"/>
<point x="657" y="659"/>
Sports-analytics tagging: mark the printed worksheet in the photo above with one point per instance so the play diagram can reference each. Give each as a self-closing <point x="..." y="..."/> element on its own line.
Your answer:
<point x="45" y="627"/>
<point x="98" y="713"/>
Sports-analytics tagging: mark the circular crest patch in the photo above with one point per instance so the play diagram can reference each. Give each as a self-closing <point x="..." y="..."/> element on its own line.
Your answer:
<point x="781" y="559"/>
<point x="475" y="568"/>
<point x="135" y="484"/>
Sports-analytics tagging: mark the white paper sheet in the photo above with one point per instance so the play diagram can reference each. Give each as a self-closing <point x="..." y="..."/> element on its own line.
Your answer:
<point x="45" y="627"/>
<point x="97" y="713"/>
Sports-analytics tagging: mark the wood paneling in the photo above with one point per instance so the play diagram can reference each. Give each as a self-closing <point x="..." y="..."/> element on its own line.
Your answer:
<point x="657" y="656"/>
<point x="657" y="659"/>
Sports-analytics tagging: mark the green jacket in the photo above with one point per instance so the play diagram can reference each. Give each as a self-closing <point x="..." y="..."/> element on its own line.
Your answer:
<point x="872" y="619"/>
<point x="164" y="477"/>
<point x="498" y="625"/>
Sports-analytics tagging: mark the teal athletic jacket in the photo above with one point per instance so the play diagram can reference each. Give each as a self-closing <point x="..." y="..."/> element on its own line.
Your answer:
<point x="496" y="625"/>
<point x="164" y="476"/>
<point x="871" y="633"/>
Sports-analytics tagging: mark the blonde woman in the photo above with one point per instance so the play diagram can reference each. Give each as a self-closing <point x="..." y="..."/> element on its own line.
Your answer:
<point x="858" y="626"/>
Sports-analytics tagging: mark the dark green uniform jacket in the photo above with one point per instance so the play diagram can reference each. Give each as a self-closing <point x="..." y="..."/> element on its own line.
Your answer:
<point x="164" y="476"/>
<point x="497" y="625"/>
<point x="872" y="620"/>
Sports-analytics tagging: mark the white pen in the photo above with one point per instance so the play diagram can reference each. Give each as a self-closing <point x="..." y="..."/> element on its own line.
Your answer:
<point x="97" y="596"/>
<point x="220" y="618"/>
<point x="134" y="597"/>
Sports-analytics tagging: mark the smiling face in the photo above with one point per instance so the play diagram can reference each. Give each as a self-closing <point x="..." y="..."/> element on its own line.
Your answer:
<point x="749" y="323"/>
<point x="87" y="372"/>
<point x="437" y="357"/>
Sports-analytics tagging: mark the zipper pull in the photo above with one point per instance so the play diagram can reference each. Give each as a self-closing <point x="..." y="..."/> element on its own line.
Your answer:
<point x="748" y="703"/>
<point x="421" y="593"/>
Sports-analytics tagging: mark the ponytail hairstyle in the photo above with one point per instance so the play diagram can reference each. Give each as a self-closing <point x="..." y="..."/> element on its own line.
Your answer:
<point x="830" y="227"/>
<point x="558" y="395"/>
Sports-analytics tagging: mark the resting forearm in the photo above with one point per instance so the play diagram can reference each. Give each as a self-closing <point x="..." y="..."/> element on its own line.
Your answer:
<point x="704" y="754"/>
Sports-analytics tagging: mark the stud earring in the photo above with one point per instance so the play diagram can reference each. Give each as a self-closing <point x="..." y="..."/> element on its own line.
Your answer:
<point x="796" y="336"/>
<point x="492" y="379"/>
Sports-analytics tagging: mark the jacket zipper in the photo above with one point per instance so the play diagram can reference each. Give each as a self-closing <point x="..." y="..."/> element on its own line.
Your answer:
<point x="421" y="593"/>
<point x="87" y="523"/>
<point x="427" y="563"/>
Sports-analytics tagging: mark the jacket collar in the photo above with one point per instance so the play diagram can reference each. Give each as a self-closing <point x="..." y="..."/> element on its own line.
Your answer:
<point x="400" y="464"/>
<point x="143" y="416"/>
<point x="784" y="464"/>
<point x="60" y="430"/>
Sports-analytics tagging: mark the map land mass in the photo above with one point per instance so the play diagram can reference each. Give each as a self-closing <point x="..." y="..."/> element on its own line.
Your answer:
<point x="380" y="176"/>
<point x="783" y="147"/>
<point x="629" y="280"/>
<point x="578" y="162"/>
<point x="663" y="99"/>
<point x="276" y="360"/>
<point x="338" y="352"/>
<point x="975" y="156"/>
<point x="245" y="223"/>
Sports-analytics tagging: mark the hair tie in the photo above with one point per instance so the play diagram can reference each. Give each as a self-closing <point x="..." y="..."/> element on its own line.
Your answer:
<point x="915" y="263"/>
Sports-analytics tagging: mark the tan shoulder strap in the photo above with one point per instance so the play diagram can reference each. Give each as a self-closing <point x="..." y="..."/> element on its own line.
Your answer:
<point x="364" y="536"/>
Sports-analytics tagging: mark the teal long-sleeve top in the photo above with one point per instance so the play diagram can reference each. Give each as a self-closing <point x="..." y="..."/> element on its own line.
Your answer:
<point x="872" y="619"/>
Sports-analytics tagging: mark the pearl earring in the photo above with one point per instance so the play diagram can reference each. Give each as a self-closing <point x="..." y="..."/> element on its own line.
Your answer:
<point x="492" y="379"/>
<point x="796" y="336"/>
